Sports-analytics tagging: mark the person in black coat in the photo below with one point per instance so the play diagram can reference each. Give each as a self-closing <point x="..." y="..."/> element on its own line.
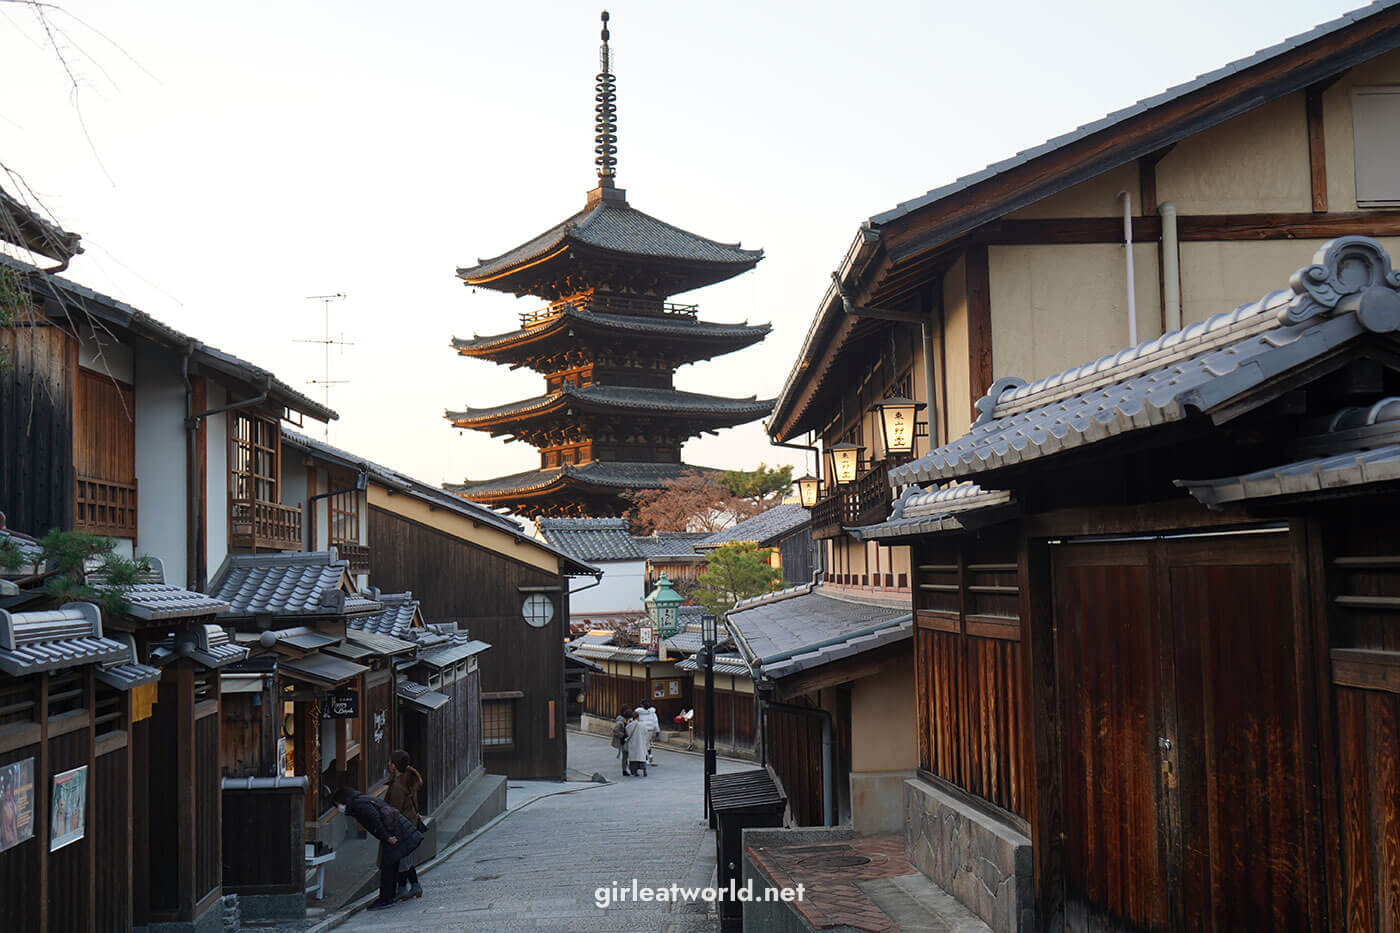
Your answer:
<point x="397" y="837"/>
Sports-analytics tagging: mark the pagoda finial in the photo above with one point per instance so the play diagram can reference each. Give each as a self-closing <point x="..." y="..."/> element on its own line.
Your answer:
<point x="605" y="113"/>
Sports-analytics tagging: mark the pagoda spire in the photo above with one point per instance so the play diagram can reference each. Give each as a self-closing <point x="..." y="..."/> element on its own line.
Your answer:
<point x="605" y="113"/>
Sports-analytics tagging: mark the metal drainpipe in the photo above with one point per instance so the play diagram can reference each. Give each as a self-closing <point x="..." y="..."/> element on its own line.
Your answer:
<point x="1171" y="268"/>
<point x="828" y="760"/>
<point x="1128" y="261"/>
<point x="191" y="494"/>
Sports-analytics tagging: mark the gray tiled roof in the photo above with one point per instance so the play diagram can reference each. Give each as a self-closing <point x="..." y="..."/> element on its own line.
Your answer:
<point x="28" y="229"/>
<point x="1316" y="474"/>
<point x="763" y="528"/>
<point x="304" y="638"/>
<point x="601" y="638"/>
<point x="295" y="584"/>
<point x="618" y="227"/>
<point x="591" y="539"/>
<point x="127" y="672"/>
<point x="450" y="654"/>
<point x="614" y="653"/>
<point x="1182" y="373"/>
<point x="421" y="695"/>
<point x="728" y="664"/>
<point x="53" y="639"/>
<point x="71" y="295"/>
<point x="673" y="326"/>
<point x="159" y="601"/>
<point x="675" y="545"/>
<point x="380" y="643"/>
<point x="326" y="668"/>
<point x="400" y="609"/>
<point x="608" y="474"/>
<point x="806" y="627"/>
<point x="212" y="647"/>
<point x="924" y="512"/>
<point x="628" y="398"/>
<point x="688" y="639"/>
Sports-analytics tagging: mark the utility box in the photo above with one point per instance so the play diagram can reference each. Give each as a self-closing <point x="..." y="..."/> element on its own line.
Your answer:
<point x="739" y="801"/>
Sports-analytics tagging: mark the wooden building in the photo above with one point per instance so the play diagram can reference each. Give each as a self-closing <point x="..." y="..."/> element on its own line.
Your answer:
<point x="631" y="677"/>
<point x="787" y="529"/>
<point x="442" y="718"/>
<point x="1156" y="640"/>
<point x="736" y="716"/>
<point x="608" y="344"/>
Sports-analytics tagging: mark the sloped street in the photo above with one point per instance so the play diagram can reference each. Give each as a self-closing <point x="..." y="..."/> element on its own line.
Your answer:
<point x="538" y="868"/>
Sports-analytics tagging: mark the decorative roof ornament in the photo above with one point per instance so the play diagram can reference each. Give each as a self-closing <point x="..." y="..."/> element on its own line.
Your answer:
<point x="605" y="112"/>
<point x="1350" y="273"/>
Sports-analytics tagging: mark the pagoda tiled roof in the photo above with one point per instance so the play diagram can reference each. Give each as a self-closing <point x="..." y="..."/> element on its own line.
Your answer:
<point x="668" y="327"/>
<point x="610" y="475"/>
<point x="613" y="225"/>
<point x="623" y="398"/>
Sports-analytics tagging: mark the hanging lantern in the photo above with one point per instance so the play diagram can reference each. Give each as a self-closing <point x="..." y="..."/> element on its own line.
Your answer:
<point x="663" y="605"/>
<point x="845" y="461"/>
<point x="808" y="489"/>
<point x="897" y="416"/>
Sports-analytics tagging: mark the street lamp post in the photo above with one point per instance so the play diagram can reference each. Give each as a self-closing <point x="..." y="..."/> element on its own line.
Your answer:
<point x="708" y="624"/>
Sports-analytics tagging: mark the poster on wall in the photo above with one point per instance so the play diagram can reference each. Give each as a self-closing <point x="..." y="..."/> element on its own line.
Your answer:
<point x="69" y="808"/>
<point x="16" y="803"/>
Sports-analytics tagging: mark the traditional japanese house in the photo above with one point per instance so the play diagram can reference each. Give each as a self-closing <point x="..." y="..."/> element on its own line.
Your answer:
<point x="292" y="609"/>
<point x="1180" y="602"/>
<point x="608" y="344"/>
<point x="1022" y="269"/>
<point x="444" y="725"/>
<point x="631" y="676"/>
<point x="736" y="719"/>
<point x="787" y="529"/>
<point x="479" y="570"/>
<point x="609" y="545"/>
<point x="674" y="555"/>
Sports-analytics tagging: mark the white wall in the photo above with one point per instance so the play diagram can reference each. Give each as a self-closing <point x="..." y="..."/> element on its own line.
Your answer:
<point x="216" y="479"/>
<point x="620" y="591"/>
<point x="160" y="459"/>
<point x="99" y="352"/>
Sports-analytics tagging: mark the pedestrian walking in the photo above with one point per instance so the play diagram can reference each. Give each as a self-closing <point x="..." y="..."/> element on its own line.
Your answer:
<point x="619" y="736"/>
<point x="636" y="746"/>
<point x="397" y="837"/>
<point x="402" y="795"/>
<point x="653" y="724"/>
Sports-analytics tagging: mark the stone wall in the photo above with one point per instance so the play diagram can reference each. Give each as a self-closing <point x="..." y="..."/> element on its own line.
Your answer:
<point x="983" y="862"/>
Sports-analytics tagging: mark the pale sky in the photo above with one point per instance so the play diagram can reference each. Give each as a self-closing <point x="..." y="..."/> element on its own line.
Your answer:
<point x="238" y="158"/>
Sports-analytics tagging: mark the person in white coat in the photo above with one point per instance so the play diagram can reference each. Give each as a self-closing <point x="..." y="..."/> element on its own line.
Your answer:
<point x="653" y="724"/>
<point x="637" y="745"/>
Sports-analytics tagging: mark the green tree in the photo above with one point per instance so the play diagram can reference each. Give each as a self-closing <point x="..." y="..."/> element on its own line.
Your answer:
<point x="74" y="554"/>
<point x="735" y="572"/>
<point x="762" y="488"/>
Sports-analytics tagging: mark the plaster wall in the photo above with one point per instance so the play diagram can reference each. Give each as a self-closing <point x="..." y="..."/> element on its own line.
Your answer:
<point x="1338" y="131"/>
<point x="1057" y="306"/>
<point x="100" y="352"/>
<point x="1097" y="197"/>
<point x="160" y="458"/>
<point x="621" y="590"/>
<point x="1257" y="162"/>
<point x="294" y="491"/>
<point x="216" y="479"/>
<point x="956" y="363"/>
<point x="882" y="720"/>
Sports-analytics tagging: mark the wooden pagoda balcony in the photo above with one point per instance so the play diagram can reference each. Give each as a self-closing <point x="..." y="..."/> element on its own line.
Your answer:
<point x="610" y="304"/>
<point x="104" y="506"/>
<point x="258" y="524"/>
<point x="356" y="554"/>
<point x="866" y="501"/>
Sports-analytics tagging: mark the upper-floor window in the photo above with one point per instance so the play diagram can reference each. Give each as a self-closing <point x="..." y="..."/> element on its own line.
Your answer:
<point x="1375" y="118"/>
<point x="345" y="512"/>
<point x="256" y="467"/>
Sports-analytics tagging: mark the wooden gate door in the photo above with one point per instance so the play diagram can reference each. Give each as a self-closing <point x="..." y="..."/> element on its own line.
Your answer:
<point x="1186" y="804"/>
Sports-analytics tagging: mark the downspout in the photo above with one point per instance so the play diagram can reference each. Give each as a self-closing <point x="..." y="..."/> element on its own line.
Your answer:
<point x="1171" y="268"/>
<point x="828" y="759"/>
<point x="1128" y="262"/>
<point x="192" y="523"/>
<point x="935" y="307"/>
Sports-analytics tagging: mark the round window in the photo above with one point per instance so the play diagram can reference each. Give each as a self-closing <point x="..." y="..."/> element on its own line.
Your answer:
<point x="538" y="610"/>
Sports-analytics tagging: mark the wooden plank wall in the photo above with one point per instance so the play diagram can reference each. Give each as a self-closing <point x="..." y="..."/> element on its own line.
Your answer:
<point x="69" y="869"/>
<point x="796" y="552"/>
<point x="110" y="790"/>
<point x="607" y="694"/>
<point x="264" y="841"/>
<point x="970" y="704"/>
<point x="1363" y="598"/>
<point x="20" y="865"/>
<point x="36" y="427"/>
<point x="480" y="589"/>
<point x="793" y="744"/>
<point x="734" y="714"/>
<point x="104" y="427"/>
<point x="208" y="848"/>
<point x="379" y="698"/>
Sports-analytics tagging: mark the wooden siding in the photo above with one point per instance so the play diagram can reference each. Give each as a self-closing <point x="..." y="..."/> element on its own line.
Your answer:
<point x="793" y="748"/>
<point x="480" y="589"/>
<point x="444" y="744"/>
<point x="264" y="839"/>
<point x="36" y="427"/>
<point x="70" y="868"/>
<point x="110" y="788"/>
<point x="734" y="714"/>
<point x="607" y="694"/>
<point x="970" y="697"/>
<point x="21" y="865"/>
<point x="379" y="699"/>
<point x="208" y="851"/>
<point x="796" y="552"/>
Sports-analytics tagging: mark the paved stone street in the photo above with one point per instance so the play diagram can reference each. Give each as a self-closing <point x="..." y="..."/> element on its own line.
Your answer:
<point x="539" y="867"/>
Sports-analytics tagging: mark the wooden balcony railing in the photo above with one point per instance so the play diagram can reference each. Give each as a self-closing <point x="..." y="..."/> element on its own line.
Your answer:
<point x="866" y="501"/>
<point x="104" y="507"/>
<point x="257" y="524"/>
<point x="610" y="304"/>
<point x="356" y="554"/>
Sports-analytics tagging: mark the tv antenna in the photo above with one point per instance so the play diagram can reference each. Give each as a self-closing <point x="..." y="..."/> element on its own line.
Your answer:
<point x="327" y="341"/>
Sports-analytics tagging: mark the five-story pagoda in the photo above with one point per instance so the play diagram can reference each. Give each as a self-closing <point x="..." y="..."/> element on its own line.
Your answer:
<point x="608" y="344"/>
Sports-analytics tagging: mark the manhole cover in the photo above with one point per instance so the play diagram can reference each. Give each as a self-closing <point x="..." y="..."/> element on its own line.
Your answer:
<point x="834" y="861"/>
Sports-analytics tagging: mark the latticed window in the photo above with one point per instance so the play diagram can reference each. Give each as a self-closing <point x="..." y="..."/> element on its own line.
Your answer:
<point x="257" y="446"/>
<point x="497" y="723"/>
<point x="345" y="513"/>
